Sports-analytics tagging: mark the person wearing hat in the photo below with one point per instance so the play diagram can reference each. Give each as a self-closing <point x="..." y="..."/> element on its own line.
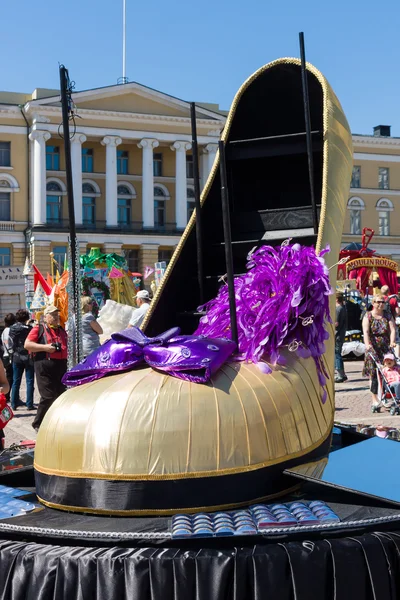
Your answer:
<point x="48" y="344"/>
<point x="143" y="305"/>
<point x="391" y="371"/>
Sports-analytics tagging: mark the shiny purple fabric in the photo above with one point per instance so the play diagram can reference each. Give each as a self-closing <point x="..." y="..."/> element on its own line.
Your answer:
<point x="189" y="357"/>
<point x="192" y="358"/>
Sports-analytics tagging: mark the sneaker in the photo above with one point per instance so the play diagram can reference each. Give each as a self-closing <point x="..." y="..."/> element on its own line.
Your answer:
<point x="31" y="408"/>
<point x="340" y="379"/>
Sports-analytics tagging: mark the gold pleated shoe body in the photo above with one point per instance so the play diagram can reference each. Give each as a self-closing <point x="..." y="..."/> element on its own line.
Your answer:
<point x="148" y="443"/>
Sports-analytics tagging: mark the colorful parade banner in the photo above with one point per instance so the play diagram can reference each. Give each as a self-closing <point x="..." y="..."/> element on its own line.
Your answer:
<point x="115" y="273"/>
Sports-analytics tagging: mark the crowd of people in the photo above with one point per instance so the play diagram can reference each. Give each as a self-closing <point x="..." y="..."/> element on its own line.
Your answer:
<point x="40" y="349"/>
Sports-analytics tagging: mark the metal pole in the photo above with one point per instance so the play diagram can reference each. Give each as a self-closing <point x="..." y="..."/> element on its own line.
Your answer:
<point x="65" y="106"/>
<point x="228" y="241"/>
<point x="124" y="41"/>
<point x="307" y="118"/>
<point x="196" y="177"/>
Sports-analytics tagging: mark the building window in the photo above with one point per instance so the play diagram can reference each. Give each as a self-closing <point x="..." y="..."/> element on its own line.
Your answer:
<point x="383" y="179"/>
<point x="5" y="208"/>
<point x="189" y="166"/>
<point x="124" y="205"/>
<point x="5" y="154"/>
<point x="5" y="257"/>
<point x="384" y="208"/>
<point x="52" y="158"/>
<point x="356" y="178"/>
<point x="157" y="164"/>
<point x="384" y="223"/>
<point x="5" y="201"/>
<point x="159" y="207"/>
<point x="87" y="160"/>
<point x="88" y="205"/>
<point x="122" y="162"/>
<point x="53" y="203"/>
<point x="355" y="206"/>
<point x="132" y="258"/>
<point x="60" y="257"/>
<point x="165" y="256"/>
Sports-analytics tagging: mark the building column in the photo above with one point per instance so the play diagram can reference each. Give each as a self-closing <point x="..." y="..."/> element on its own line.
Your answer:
<point x="111" y="142"/>
<point x="209" y="153"/>
<point x="180" y="183"/>
<point x="147" y="146"/>
<point x="39" y="139"/>
<point x="76" y="160"/>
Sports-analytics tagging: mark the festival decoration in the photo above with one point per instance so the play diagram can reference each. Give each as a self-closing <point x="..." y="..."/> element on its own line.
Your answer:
<point x="40" y="298"/>
<point x="363" y="263"/>
<point x="282" y="301"/>
<point x="160" y="268"/>
<point x="90" y="286"/>
<point x="114" y="317"/>
<point x="115" y="273"/>
<point x="29" y="275"/>
<point x="38" y="278"/>
<point x="147" y="272"/>
<point x="184" y="446"/>
<point x="186" y="357"/>
<point x="112" y="270"/>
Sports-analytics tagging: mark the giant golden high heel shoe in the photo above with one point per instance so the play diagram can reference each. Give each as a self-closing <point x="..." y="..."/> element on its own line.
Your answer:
<point x="147" y="443"/>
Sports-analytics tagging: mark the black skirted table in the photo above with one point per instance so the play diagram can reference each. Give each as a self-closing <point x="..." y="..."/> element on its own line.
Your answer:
<point x="61" y="556"/>
<point x="55" y="555"/>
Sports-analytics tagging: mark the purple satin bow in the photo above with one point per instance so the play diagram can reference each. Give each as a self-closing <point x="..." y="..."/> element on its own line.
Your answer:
<point x="188" y="357"/>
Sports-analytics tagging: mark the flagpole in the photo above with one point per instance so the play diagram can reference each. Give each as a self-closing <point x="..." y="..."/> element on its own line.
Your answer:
<point x="124" y="41"/>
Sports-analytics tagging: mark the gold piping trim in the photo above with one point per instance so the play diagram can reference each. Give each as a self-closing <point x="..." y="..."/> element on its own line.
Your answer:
<point x="171" y="511"/>
<point x="195" y="475"/>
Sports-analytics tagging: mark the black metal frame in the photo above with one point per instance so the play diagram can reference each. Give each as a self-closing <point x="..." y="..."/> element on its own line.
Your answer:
<point x="196" y="178"/>
<point x="307" y="119"/>
<point x="65" y="89"/>
<point x="226" y="218"/>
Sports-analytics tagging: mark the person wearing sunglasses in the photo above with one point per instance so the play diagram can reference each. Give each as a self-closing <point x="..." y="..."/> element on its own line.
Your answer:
<point x="379" y="337"/>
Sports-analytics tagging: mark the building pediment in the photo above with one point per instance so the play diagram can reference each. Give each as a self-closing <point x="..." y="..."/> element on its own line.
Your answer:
<point x="131" y="98"/>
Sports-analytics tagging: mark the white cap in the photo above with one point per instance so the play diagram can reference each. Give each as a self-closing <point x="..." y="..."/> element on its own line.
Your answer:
<point x="144" y="294"/>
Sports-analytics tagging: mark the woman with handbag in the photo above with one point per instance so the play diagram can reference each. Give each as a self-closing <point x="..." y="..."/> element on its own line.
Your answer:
<point x="379" y="337"/>
<point x="21" y="359"/>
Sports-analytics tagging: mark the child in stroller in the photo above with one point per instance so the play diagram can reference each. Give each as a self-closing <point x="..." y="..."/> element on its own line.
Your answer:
<point x="391" y="382"/>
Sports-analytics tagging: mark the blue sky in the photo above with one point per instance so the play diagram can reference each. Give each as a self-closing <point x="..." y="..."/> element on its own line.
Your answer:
<point x="204" y="50"/>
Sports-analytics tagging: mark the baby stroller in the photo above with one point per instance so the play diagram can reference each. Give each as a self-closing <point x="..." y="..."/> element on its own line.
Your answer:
<point x="385" y="395"/>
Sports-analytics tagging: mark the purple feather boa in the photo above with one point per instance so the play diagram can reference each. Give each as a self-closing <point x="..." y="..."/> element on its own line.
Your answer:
<point x="282" y="301"/>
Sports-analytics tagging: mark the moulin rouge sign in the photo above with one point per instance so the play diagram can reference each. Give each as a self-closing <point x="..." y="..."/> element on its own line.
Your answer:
<point x="371" y="263"/>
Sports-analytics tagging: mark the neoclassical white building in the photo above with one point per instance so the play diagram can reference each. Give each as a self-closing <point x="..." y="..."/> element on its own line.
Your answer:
<point x="132" y="172"/>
